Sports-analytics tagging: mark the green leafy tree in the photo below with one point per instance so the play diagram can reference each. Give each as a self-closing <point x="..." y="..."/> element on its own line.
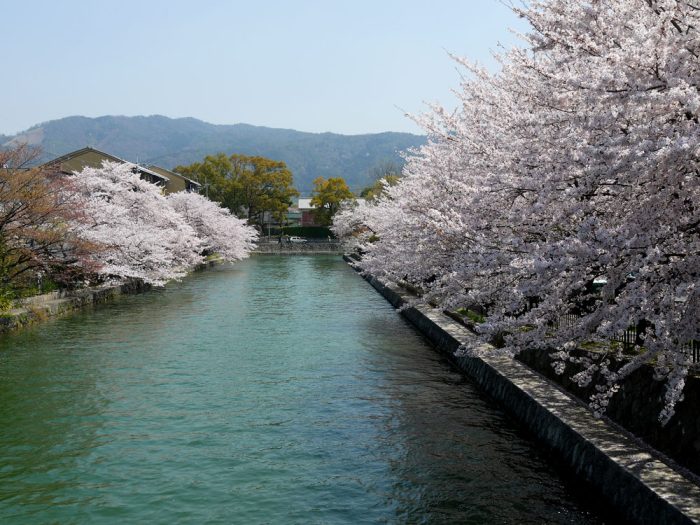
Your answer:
<point x="385" y="173"/>
<point x="327" y="196"/>
<point x="218" y="176"/>
<point x="249" y="186"/>
<point x="264" y="186"/>
<point x="372" y="192"/>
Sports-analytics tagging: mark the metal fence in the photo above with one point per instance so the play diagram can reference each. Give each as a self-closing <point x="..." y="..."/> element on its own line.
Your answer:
<point x="628" y="338"/>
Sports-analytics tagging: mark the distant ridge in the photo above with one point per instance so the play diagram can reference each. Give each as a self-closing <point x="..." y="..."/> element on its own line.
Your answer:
<point x="170" y="142"/>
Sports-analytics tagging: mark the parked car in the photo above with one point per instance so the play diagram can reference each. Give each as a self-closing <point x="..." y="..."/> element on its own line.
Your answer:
<point x="296" y="239"/>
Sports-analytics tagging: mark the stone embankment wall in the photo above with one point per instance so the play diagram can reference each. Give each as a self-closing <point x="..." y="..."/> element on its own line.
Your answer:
<point x="634" y="481"/>
<point x="41" y="307"/>
<point x="636" y="407"/>
<point x="305" y="248"/>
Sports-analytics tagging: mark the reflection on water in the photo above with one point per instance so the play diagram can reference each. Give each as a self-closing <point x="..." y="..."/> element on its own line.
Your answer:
<point x="278" y="390"/>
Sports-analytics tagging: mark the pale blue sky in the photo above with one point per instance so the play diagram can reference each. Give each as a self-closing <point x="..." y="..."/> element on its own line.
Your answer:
<point x="311" y="65"/>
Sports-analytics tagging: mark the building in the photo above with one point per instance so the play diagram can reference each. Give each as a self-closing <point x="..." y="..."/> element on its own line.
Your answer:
<point x="93" y="158"/>
<point x="293" y="216"/>
<point x="90" y="157"/>
<point x="176" y="182"/>
<point x="306" y="212"/>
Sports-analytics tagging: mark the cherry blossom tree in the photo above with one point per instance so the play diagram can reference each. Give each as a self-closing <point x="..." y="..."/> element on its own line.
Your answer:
<point x="35" y="240"/>
<point x="576" y="163"/>
<point x="142" y="236"/>
<point x="219" y="231"/>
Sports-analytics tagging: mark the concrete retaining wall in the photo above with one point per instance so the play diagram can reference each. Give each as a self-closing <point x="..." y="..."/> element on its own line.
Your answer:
<point x="628" y="475"/>
<point x="41" y="307"/>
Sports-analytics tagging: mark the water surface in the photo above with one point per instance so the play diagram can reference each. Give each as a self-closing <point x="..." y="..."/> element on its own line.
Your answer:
<point x="277" y="390"/>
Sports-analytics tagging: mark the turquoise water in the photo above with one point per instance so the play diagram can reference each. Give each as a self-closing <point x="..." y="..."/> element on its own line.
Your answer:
<point x="278" y="390"/>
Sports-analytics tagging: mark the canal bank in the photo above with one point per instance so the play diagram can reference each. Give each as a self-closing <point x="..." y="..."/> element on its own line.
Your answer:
<point x="639" y="485"/>
<point x="38" y="308"/>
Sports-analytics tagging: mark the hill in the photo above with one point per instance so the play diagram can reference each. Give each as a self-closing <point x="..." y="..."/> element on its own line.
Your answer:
<point x="171" y="142"/>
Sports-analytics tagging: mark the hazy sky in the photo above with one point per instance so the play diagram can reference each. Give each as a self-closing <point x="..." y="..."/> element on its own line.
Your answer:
<point x="349" y="67"/>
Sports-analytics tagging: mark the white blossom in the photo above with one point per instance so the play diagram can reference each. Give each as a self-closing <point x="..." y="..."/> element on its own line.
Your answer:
<point x="575" y="164"/>
<point x="219" y="231"/>
<point x="141" y="235"/>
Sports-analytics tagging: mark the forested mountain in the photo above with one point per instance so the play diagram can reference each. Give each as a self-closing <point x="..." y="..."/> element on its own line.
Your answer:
<point x="171" y="142"/>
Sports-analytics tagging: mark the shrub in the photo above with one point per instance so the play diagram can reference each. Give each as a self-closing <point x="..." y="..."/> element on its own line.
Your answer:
<point x="313" y="232"/>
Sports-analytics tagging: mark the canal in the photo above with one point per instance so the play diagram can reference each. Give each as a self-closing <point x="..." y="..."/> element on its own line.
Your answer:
<point x="277" y="390"/>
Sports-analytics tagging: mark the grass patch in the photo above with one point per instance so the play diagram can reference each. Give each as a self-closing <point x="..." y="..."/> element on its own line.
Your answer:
<point x="473" y="316"/>
<point x="7" y="299"/>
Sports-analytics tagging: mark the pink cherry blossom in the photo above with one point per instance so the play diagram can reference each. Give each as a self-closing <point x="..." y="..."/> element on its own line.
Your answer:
<point x="565" y="187"/>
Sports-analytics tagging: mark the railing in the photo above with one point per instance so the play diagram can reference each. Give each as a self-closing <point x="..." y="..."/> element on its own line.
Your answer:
<point x="629" y="340"/>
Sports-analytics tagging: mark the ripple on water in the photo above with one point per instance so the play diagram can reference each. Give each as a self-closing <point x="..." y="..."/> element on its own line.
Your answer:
<point x="279" y="390"/>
